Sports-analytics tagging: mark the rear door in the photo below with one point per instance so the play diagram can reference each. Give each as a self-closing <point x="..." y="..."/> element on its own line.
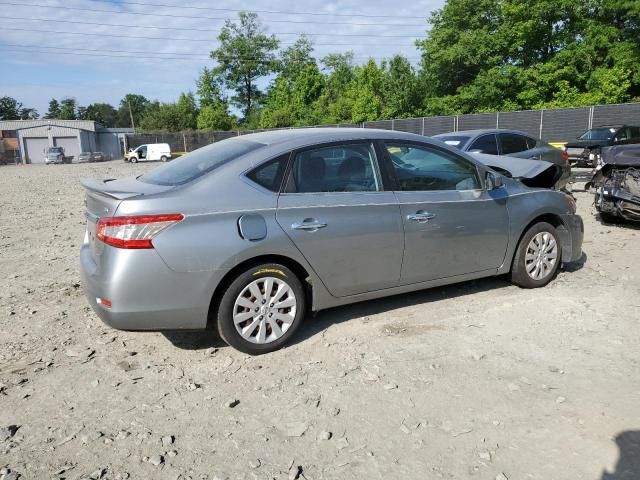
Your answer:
<point x="336" y="211"/>
<point x="452" y="225"/>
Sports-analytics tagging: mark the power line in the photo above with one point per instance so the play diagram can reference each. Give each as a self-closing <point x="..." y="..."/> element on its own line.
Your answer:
<point x="120" y="25"/>
<point x="91" y="54"/>
<point x="146" y="52"/>
<point x="125" y="53"/>
<point x="201" y="17"/>
<point x="206" y="40"/>
<point x="258" y="11"/>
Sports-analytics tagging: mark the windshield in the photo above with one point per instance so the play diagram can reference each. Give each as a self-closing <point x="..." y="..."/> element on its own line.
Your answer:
<point x="457" y="141"/>
<point x="55" y="149"/>
<point x="199" y="162"/>
<point x="598" y="134"/>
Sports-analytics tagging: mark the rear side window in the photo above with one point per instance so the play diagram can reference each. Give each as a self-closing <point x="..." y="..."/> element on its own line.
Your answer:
<point x="511" y="143"/>
<point x="485" y="144"/>
<point x="199" y="162"/>
<point x="269" y="174"/>
<point x="338" y="168"/>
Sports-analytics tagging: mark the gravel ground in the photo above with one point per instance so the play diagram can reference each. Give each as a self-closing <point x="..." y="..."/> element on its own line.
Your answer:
<point x="478" y="380"/>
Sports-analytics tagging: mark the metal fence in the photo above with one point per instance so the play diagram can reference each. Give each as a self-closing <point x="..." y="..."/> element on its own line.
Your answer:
<point x="552" y="125"/>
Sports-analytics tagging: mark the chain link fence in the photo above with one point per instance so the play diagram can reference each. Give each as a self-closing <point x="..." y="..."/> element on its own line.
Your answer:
<point x="552" y="125"/>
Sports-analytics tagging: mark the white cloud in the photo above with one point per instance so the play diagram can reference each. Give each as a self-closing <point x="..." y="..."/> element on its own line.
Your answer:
<point x="94" y="78"/>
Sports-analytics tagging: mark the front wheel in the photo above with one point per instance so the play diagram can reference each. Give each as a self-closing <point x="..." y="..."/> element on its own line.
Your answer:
<point x="261" y="309"/>
<point x="163" y="158"/>
<point x="133" y="160"/>
<point x="538" y="257"/>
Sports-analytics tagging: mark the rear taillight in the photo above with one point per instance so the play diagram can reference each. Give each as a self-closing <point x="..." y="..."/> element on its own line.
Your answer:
<point x="134" y="231"/>
<point x="565" y="155"/>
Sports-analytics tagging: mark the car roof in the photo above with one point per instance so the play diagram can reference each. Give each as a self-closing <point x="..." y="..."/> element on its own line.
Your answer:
<point x="484" y="131"/>
<point x="305" y="136"/>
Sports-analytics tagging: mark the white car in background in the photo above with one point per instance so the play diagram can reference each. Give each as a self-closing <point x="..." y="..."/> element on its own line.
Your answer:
<point x="149" y="151"/>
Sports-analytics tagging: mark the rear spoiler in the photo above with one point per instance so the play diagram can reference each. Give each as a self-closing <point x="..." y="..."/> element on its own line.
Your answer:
<point x="102" y="188"/>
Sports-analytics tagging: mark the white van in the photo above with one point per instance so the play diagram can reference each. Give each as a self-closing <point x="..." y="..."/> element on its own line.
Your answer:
<point x="150" y="151"/>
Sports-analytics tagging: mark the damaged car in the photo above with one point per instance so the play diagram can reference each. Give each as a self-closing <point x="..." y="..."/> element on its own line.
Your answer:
<point x="532" y="173"/>
<point x="586" y="150"/>
<point x="617" y="183"/>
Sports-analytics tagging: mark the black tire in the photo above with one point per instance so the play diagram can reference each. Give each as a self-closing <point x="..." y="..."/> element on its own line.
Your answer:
<point x="519" y="275"/>
<point x="225" y="310"/>
<point x="163" y="158"/>
<point x="133" y="160"/>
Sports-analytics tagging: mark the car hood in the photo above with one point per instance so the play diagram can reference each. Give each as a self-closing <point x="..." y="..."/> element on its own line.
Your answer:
<point x="622" y="155"/>
<point x="533" y="173"/>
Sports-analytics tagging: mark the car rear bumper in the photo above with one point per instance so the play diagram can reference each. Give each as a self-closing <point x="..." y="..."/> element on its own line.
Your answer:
<point x="144" y="293"/>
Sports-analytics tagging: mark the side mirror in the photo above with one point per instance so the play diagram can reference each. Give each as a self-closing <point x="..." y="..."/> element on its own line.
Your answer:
<point x="493" y="181"/>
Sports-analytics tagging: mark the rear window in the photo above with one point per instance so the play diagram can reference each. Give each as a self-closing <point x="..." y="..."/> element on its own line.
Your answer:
<point x="457" y="141"/>
<point x="197" y="163"/>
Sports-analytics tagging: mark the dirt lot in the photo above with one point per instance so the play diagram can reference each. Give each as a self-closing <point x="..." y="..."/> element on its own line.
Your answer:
<point x="479" y="380"/>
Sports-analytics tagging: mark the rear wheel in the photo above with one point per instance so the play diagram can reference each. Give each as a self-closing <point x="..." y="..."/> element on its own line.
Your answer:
<point x="261" y="309"/>
<point x="538" y="257"/>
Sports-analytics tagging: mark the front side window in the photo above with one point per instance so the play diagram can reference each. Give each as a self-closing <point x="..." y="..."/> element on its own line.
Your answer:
<point x="424" y="168"/>
<point x="485" y="144"/>
<point x="512" y="143"/>
<point x="338" y="168"/>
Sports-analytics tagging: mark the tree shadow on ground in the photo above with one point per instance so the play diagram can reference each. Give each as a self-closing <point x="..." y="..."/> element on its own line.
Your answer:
<point x="628" y="466"/>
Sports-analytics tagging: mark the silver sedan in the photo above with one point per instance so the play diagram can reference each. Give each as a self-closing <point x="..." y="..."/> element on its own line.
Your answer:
<point x="250" y="234"/>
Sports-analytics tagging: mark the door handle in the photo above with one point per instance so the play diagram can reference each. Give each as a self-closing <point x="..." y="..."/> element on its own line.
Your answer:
<point x="309" y="225"/>
<point x="420" y="217"/>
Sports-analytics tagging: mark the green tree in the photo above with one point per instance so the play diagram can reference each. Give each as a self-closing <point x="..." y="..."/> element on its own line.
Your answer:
<point x="103" y="113"/>
<point x="245" y="55"/>
<point x="161" y="117"/>
<point x="215" y="117"/>
<point x="400" y="89"/>
<point x="9" y="108"/>
<point x="132" y="105"/>
<point x="366" y="93"/>
<point x="187" y="111"/>
<point x="54" y="109"/>
<point x="292" y="96"/>
<point x="67" y="109"/>
<point x="334" y="105"/>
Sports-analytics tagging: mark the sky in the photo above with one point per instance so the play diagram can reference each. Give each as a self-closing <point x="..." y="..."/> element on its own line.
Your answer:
<point x="100" y="50"/>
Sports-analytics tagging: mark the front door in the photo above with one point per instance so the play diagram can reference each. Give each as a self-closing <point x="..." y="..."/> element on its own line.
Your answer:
<point x="453" y="226"/>
<point x="335" y="210"/>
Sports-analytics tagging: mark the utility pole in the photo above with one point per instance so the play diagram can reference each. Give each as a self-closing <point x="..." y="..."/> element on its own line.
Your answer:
<point x="133" y="125"/>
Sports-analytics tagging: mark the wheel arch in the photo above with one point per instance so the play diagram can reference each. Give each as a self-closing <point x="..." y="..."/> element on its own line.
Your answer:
<point x="554" y="220"/>
<point x="300" y="271"/>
